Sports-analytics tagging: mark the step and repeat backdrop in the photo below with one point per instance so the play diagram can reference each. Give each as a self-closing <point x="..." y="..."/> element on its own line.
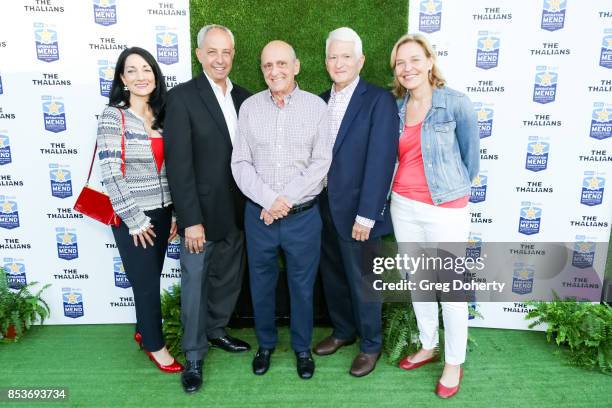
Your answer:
<point x="56" y="67"/>
<point x="540" y="76"/>
<point x="539" y="72"/>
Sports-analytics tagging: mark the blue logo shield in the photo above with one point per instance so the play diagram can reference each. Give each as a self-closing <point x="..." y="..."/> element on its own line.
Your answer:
<point x="121" y="280"/>
<point x="61" y="184"/>
<point x="537" y="156"/>
<point x="601" y="122"/>
<point x="54" y="116"/>
<point x="1" y="89"/>
<point x="553" y="14"/>
<point x="592" y="190"/>
<point x="529" y="220"/>
<point x="105" y="12"/>
<point x="5" y="150"/>
<point x="430" y="16"/>
<point x="106" y="73"/>
<point x="479" y="189"/>
<point x="474" y="247"/>
<point x="174" y="248"/>
<point x="9" y="213"/>
<point x="522" y="280"/>
<point x="485" y="120"/>
<point x="167" y="47"/>
<point x="583" y="255"/>
<point x="545" y="87"/>
<point x="67" y="247"/>
<point x="73" y="303"/>
<point x="47" y="48"/>
<point x="16" y="277"/>
<point x="487" y="52"/>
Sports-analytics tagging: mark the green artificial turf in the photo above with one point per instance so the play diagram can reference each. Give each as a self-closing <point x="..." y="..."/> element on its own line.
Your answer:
<point x="102" y="367"/>
<point x="305" y="25"/>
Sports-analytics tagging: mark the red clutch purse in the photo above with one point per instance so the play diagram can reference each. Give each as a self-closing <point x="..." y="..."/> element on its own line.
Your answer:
<point x="94" y="203"/>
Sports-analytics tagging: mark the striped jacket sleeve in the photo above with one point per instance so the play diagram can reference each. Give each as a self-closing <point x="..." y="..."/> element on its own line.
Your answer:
<point x="109" y="154"/>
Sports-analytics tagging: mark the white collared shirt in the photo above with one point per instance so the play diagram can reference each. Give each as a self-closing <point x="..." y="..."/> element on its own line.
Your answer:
<point x="226" y="103"/>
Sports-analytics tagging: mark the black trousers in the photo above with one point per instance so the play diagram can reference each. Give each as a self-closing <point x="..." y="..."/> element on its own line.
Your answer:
<point x="143" y="267"/>
<point x="355" y="309"/>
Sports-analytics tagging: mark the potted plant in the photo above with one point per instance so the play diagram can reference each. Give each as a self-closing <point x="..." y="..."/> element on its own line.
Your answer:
<point x="20" y="308"/>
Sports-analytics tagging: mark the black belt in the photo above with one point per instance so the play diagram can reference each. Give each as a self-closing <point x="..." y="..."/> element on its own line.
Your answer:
<point x="302" y="207"/>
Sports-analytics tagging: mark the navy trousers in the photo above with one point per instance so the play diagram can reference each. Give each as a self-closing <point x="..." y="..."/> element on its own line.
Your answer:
<point x="355" y="308"/>
<point x="299" y="236"/>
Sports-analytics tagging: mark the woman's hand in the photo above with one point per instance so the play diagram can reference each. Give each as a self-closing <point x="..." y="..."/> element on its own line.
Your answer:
<point x="146" y="236"/>
<point x="173" y="231"/>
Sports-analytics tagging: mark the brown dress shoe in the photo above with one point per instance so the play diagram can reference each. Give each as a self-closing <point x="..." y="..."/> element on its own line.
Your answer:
<point x="364" y="364"/>
<point x="330" y="345"/>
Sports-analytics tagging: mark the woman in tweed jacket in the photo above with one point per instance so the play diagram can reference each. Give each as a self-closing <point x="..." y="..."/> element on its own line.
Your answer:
<point x="130" y="147"/>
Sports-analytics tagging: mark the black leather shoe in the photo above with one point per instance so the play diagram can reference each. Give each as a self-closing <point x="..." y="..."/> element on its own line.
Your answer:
<point x="191" y="379"/>
<point x="230" y="344"/>
<point x="261" y="361"/>
<point x="305" y="365"/>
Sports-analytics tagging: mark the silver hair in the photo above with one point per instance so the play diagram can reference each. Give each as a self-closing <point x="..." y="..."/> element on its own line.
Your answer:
<point x="345" y="34"/>
<point x="204" y="30"/>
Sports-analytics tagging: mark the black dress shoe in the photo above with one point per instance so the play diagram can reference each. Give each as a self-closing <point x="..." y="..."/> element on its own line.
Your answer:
<point x="191" y="379"/>
<point x="261" y="361"/>
<point x="305" y="365"/>
<point x="230" y="344"/>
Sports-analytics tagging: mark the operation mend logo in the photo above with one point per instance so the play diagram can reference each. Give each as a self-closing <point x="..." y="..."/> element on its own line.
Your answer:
<point x="484" y="112"/>
<point x="73" y="302"/>
<point x="54" y="113"/>
<point x="601" y="123"/>
<point x="9" y="212"/>
<point x="605" y="58"/>
<point x="478" y="192"/>
<point x="474" y="246"/>
<point x="61" y="180"/>
<point x="106" y="73"/>
<point x="45" y="39"/>
<point x="584" y="252"/>
<point x="1" y="89"/>
<point x="5" y="148"/>
<point x="592" y="188"/>
<point x="66" y="240"/>
<point x="522" y="278"/>
<point x="545" y="86"/>
<point x="167" y="45"/>
<point x="530" y="218"/>
<point x="430" y="16"/>
<point x="553" y="14"/>
<point x="16" y="277"/>
<point x="174" y="248"/>
<point x="537" y="154"/>
<point x="121" y="280"/>
<point x="105" y="12"/>
<point x="487" y="50"/>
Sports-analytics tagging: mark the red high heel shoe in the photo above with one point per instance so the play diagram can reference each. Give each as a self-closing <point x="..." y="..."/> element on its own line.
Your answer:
<point x="138" y="339"/>
<point x="446" y="392"/>
<point x="174" y="367"/>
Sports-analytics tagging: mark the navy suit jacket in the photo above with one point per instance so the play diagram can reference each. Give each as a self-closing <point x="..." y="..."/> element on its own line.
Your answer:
<point x="363" y="161"/>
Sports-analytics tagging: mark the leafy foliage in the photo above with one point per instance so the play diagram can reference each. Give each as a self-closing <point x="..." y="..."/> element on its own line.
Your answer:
<point x="171" y="316"/>
<point x="584" y="328"/>
<point x="21" y="308"/>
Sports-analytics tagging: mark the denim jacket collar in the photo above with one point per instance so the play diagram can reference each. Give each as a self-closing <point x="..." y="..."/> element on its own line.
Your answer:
<point x="438" y="100"/>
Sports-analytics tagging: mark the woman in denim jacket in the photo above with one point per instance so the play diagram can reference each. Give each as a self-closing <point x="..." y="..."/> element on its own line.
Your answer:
<point x="439" y="155"/>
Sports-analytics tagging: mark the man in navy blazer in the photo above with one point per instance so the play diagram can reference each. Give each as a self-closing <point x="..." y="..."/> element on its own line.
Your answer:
<point x="354" y="209"/>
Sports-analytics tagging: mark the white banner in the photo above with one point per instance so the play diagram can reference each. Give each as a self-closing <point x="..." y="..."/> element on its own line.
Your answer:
<point x="56" y="66"/>
<point x="539" y="73"/>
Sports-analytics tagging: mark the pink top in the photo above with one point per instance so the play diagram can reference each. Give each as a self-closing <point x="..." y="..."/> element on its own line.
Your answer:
<point x="410" y="181"/>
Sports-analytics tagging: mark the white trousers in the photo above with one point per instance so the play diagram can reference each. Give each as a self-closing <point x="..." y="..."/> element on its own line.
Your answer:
<point x="414" y="221"/>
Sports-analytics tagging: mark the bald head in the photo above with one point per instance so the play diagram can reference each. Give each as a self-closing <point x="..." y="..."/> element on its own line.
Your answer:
<point x="279" y="66"/>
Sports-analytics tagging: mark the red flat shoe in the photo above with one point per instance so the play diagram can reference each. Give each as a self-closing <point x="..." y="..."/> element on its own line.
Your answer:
<point x="447" y="392"/>
<point x="406" y="364"/>
<point x="174" y="367"/>
<point x="138" y="339"/>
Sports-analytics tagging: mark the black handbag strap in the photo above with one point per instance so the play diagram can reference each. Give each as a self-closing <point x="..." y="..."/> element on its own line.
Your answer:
<point x="93" y="158"/>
